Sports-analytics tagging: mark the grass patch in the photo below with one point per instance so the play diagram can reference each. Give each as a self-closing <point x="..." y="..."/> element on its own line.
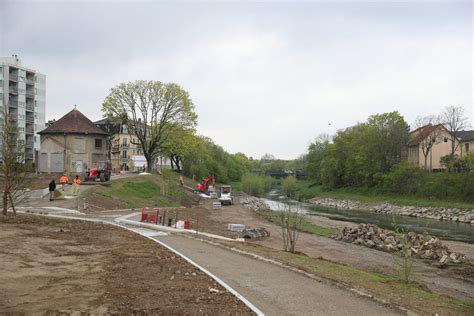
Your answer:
<point x="413" y="296"/>
<point x="367" y="195"/>
<point x="140" y="191"/>
<point x="306" y="227"/>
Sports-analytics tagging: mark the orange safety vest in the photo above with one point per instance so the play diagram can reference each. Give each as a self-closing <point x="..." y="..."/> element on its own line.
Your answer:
<point x="77" y="181"/>
<point x="63" y="180"/>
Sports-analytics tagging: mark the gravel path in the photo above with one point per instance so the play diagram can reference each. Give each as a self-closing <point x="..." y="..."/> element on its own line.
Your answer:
<point x="274" y="290"/>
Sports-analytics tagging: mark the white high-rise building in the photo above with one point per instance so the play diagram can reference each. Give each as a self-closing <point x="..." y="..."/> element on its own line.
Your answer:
<point x="23" y="95"/>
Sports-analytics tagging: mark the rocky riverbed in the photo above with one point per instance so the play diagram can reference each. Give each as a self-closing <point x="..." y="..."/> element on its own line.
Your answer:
<point x="439" y="213"/>
<point x="416" y="245"/>
<point x="254" y="203"/>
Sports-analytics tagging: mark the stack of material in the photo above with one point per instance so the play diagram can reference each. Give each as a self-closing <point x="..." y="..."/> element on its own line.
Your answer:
<point x="216" y="205"/>
<point x="253" y="233"/>
<point x="236" y="227"/>
<point x="421" y="245"/>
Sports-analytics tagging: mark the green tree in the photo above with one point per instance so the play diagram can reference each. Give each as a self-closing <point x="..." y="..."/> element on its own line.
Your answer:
<point x="152" y="111"/>
<point x="315" y="156"/>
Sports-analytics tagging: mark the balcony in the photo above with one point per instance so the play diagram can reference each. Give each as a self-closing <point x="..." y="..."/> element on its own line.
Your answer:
<point x="30" y="120"/>
<point x="29" y="107"/>
<point x="30" y="81"/>
<point x="30" y="94"/>
<point x="13" y="90"/>
<point x="13" y="103"/>
<point x="29" y="144"/>
<point x="13" y="77"/>
<point x="29" y="130"/>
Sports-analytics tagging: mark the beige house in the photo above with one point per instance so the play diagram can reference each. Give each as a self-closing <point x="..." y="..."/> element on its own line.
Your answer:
<point x="125" y="150"/>
<point x="428" y="144"/>
<point x="124" y="147"/>
<point x="71" y="145"/>
<point x="467" y="141"/>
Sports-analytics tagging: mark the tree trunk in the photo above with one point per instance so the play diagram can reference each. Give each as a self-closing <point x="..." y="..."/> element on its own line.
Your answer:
<point x="426" y="161"/>
<point x="5" y="203"/>
<point x="13" y="204"/>
<point x="148" y="164"/>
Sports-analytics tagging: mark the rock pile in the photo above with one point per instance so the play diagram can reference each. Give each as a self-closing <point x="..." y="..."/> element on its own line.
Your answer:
<point x="421" y="245"/>
<point x="254" y="203"/>
<point x="440" y="213"/>
<point x="347" y="204"/>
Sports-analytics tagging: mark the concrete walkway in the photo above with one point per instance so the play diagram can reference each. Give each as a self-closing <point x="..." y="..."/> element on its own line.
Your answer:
<point x="274" y="290"/>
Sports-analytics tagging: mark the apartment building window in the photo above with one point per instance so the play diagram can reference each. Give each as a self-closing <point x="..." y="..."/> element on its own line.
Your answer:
<point x="21" y="104"/>
<point x="22" y="79"/>
<point x="21" y="116"/>
<point x="125" y="142"/>
<point x="98" y="143"/>
<point x="21" y="129"/>
<point x="466" y="146"/>
<point x="123" y="129"/>
<point x="124" y="154"/>
<point x="21" y="91"/>
<point x="36" y="103"/>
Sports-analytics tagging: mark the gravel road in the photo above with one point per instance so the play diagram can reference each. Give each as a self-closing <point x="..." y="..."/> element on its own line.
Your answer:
<point x="274" y="290"/>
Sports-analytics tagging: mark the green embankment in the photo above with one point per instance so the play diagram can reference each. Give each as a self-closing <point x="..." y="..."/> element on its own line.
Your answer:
<point x="139" y="191"/>
<point x="369" y="195"/>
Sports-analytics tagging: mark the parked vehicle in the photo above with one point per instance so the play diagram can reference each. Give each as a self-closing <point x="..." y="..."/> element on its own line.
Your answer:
<point x="100" y="171"/>
<point x="226" y="197"/>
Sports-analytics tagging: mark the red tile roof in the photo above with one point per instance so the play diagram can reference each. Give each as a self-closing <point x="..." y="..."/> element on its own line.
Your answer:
<point x="425" y="132"/>
<point x="73" y="122"/>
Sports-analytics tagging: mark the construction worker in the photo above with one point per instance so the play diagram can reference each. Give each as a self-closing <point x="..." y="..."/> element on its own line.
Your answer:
<point x="64" y="180"/>
<point x="75" y="186"/>
<point x="52" y="187"/>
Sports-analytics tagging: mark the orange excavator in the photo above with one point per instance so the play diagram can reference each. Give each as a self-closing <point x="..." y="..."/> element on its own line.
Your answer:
<point x="204" y="186"/>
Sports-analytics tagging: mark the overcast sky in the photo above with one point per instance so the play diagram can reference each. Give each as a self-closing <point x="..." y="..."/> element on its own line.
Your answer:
<point x="265" y="77"/>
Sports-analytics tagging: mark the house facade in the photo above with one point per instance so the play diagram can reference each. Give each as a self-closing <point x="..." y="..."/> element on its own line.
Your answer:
<point x="125" y="150"/>
<point x="467" y="141"/>
<point x="71" y="145"/>
<point x="428" y="144"/>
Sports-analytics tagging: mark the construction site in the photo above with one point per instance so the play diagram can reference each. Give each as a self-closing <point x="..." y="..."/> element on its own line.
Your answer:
<point x="167" y="244"/>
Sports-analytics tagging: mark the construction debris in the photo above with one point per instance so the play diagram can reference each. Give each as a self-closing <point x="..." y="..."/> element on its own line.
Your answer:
<point x="421" y="245"/>
<point x="254" y="233"/>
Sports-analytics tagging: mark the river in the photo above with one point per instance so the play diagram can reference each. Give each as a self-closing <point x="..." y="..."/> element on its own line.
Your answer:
<point x="443" y="229"/>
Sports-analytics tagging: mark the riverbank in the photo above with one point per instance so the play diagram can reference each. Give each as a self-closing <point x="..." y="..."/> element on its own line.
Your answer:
<point x="307" y="191"/>
<point x="438" y="213"/>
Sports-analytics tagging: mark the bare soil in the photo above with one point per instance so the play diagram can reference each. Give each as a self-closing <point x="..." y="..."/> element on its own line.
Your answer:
<point x="57" y="266"/>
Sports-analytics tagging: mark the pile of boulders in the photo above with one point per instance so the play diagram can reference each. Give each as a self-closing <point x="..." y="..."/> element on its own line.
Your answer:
<point x="439" y="213"/>
<point x="420" y="245"/>
<point x="347" y="204"/>
<point x="254" y="203"/>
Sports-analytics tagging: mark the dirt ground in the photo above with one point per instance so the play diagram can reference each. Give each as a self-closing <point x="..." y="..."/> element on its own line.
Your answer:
<point x="55" y="266"/>
<point x="456" y="281"/>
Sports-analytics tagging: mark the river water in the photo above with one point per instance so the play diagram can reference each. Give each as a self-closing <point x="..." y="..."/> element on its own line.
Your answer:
<point x="443" y="229"/>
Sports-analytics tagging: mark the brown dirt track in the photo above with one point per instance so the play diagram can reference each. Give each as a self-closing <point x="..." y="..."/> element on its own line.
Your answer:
<point x="58" y="266"/>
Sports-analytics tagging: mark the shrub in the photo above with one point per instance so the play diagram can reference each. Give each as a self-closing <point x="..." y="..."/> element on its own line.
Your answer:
<point x="256" y="185"/>
<point x="289" y="186"/>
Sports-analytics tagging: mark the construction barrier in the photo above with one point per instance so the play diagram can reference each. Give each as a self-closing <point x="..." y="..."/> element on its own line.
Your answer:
<point x="165" y="217"/>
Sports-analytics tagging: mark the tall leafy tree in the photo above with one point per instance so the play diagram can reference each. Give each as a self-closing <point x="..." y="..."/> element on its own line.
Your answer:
<point x="152" y="111"/>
